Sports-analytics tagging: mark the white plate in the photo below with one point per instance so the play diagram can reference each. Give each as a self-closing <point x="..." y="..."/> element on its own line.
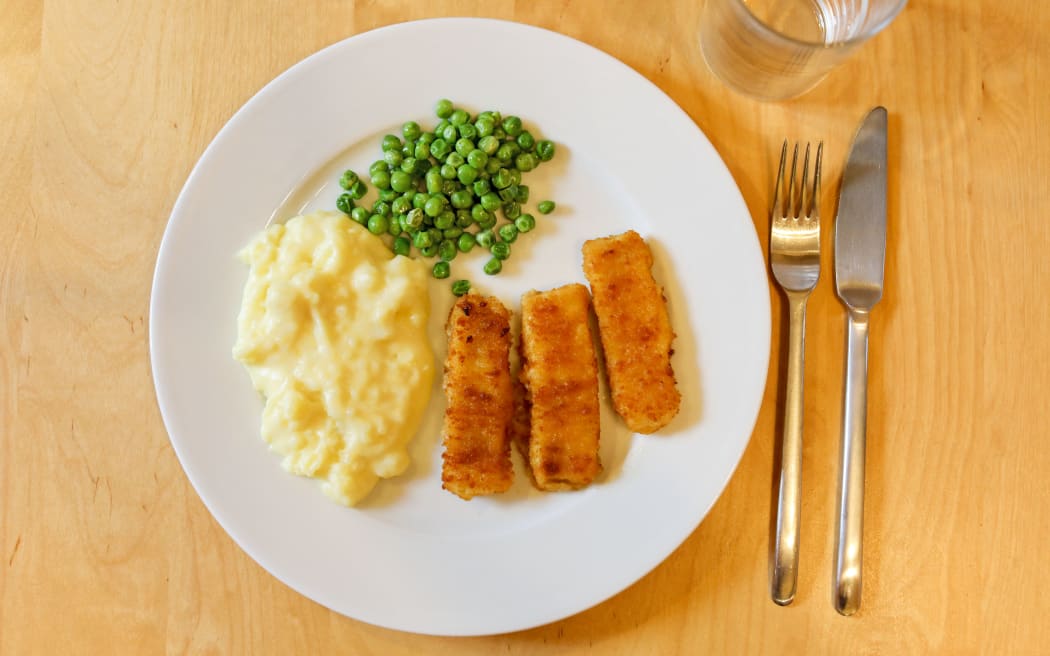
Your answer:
<point x="414" y="557"/>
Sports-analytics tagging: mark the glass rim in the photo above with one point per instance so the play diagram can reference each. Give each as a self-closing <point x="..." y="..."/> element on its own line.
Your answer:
<point x="875" y="29"/>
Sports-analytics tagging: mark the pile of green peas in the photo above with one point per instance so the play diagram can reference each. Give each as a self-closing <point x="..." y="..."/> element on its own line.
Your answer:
<point x="442" y="192"/>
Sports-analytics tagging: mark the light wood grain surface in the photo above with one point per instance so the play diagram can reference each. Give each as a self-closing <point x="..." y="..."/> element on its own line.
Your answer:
<point x="105" y="547"/>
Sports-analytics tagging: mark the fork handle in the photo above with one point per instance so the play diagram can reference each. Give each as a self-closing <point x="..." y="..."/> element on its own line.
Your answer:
<point x="784" y="571"/>
<point x="851" y="489"/>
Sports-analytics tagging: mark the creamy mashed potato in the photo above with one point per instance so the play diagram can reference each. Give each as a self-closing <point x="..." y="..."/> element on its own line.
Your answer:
<point x="333" y="331"/>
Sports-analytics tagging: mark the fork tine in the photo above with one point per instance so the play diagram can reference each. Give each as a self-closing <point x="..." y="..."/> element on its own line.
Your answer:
<point x="778" y="189"/>
<point x="816" y="180"/>
<point x="803" y="197"/>
<point x="792" y="208"/>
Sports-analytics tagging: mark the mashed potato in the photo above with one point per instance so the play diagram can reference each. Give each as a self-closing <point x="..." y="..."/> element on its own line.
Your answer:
<point x="333" y="331"/>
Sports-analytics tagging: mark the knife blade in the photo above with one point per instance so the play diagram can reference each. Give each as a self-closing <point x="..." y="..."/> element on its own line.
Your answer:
<point x="860" y="225"/>
<point x="860" y="256"/>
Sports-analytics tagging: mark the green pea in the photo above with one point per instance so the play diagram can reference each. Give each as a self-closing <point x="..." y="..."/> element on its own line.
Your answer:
<point x="439" y="148"/>
<point x="525" y="223"/>
<point x="460" y="287"/>
<point x="445" y="220"/>
<point x="358" y="190"/>
<point x="408" y="148"/>
<point x="464" y="146"/>
<point x="493" y="166"/>
<point x="344" y="203"/>
<point x="462" y="199"/>
<point x="387" y="195"/>
<point x="449" y="187"/>
<point x="409" y="164"/>
<point x="482" y="187"/>
<point x="455" y="159"/>
<point x="435" y="206"/>
<point x="381" y="179"/>
<point x="441" y="270"/>
<point x="452" y="233"/>
<point x="411" y="130"/>
<point x="459" y="117"/>
<point x="508" y="232"/>
<point x="483" y="126"/>
<point x="401" y="246"/>
<point x="400" y="181"/>
<point x="479" y="213"/>
<point x="467" y="174"/>
<point x="377" y="166"/>
<point x="443" y="108"/>
<point x="468" y="131"/>
<point x="426" y="138"/>
<point x="522" y="196"/>
<point x="501" y="180"/>
<point x="393" y="158"/>
<point x="493" y="266"/>
<point x="477" y="158"/>
<point x="449" y="133"/>
<point x="526" y="162"/>
<point x="420" y="200"/>
<point x="414" y="219"/>
<point x="512" y="126"/>
<point x="499" y="132"/>
<point x="400" y="205"/>
<point x="545" y="206"/>
<point x="488" y="144"/>
<point x="422" y="240"/>
<point x="464" y="219"/>
<point x="500" y="250"/>
<point x="393" y="227"/>
<point x="488" y="222"/>
<point x="466" y="242"/>
<point x="491" y="202"/>
<point x="422" y="150"/>
<point x="447" y="250"/>
<point x="390" y="142"/>
<point x="429" y="251"/>
<point x="508" y="151"/>
<point x="545" y="150"/>
<point x="435" y="235"/>
<point x="526" y="141"/>
<point x="360" y="215"/>
<point x="447" y="172"/>
<point x="508" y="194"/>
<point x="378" y="224"/>
<point x="433" y="180"/>
<point x="381" y="207"/>
<point x="511" y="210"/>
<point x="348" y="179"/>
<point x="485" y="238"/>
<point x="515" y="177"/>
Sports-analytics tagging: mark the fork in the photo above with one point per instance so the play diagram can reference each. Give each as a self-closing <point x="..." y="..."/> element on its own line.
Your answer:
<point x="794" y="254"/>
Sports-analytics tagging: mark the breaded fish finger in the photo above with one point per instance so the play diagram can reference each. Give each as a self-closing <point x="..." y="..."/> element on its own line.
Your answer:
<point x="560" y="373"/>
<point x="480" y="403"/>
<point x="635" y="330"/>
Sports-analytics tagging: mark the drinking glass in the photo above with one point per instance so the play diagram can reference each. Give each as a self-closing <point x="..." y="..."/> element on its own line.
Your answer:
<point x="779" y="49"/>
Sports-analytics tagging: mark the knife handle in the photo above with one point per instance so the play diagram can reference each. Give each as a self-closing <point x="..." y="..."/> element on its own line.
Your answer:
<point x="784" y="573"/>
<point x="848" y="548"/>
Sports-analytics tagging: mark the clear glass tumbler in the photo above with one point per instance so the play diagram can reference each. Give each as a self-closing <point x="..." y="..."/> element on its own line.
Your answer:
<point x="779" y="49"/>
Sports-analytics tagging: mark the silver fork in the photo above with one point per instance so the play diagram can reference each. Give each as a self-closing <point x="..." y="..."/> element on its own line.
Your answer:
<point x="794" y="253"/>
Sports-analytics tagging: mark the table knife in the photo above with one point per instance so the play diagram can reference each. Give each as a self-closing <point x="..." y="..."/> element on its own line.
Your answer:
<point x="860" y="253"/>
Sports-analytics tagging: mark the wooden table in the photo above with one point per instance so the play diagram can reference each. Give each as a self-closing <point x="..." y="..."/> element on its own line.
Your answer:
<point x="105" y="548"/>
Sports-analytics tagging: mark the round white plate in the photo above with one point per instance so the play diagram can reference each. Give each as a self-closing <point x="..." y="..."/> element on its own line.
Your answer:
<point x="414" y="557"/>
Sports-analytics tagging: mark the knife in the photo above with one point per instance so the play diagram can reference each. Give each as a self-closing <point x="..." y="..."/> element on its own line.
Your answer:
<point x="860" y="254"/>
